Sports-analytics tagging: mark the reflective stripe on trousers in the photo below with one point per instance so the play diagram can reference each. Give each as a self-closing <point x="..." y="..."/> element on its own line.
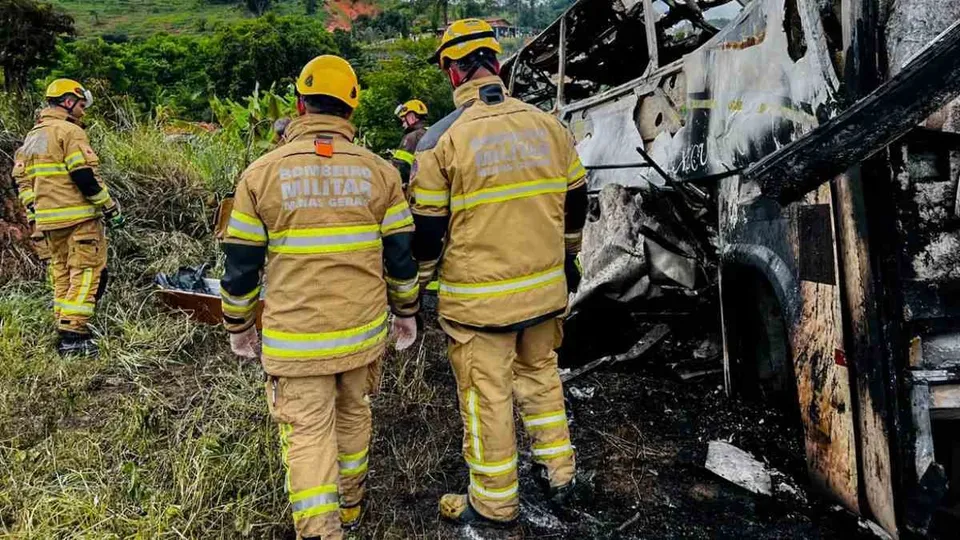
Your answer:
<point x="315" y="501"/>
<point x="493" y="468"/>
<point x="552" y="450"/>
<point x="508" y="286"/>
<point x="324" y="344"/>
<point x="78" y="305"/>
<point x="545" y="420"/>
<point x="353" y="464"/>
<point x="506" y="493"/>
<point x="285" y="431"/>
<point x="473" y="418"/>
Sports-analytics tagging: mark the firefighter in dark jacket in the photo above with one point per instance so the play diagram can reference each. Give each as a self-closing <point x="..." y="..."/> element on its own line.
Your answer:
<point x="412" y="115"/>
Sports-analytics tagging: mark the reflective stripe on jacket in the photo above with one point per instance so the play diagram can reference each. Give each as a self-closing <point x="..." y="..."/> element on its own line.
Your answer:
<point x="53" y="149"/>
<point x="403" y="157"/>
<point x="323" y="210"/>
<point x="499" y="170"/>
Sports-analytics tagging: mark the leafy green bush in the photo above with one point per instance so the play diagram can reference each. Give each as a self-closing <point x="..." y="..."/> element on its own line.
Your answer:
<point x="405" y="75"/>
<point x="171" y="70"/>
<point x="267" y="50"/>
<point x="252" y="120"/>
<point x="182" y="73"/>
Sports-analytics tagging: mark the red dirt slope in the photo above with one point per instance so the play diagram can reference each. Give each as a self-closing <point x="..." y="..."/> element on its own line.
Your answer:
<point x="344" y="12"/>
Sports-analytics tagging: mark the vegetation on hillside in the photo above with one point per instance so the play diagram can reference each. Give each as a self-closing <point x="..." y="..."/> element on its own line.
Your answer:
<point x="123" y="19"/>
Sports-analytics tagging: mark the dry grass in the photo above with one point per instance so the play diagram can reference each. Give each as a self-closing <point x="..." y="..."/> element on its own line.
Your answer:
<point x="167" y="435"/>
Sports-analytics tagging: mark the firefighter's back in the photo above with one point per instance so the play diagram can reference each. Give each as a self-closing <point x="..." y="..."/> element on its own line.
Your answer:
<point x="50" y="151"/>
<point x="323" y="203"/>
<point x="507" y="165"/>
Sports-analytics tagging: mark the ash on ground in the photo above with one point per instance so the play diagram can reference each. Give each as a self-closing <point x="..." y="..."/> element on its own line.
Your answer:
<point x="641" y="435"/>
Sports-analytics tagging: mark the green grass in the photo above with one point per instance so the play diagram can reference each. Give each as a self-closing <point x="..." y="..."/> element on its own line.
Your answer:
<point x="140" y="18"/>
<point x="167" y="434"/>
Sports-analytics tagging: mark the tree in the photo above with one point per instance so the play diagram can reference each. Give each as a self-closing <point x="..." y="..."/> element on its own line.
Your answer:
<point x="405" y="75"/>
<point x="28" y="38"/>
<point x="267" y="50"/>
<point x="310" y="6"/>
<point x="162" y="70"/>
<point x="258" y="7"/>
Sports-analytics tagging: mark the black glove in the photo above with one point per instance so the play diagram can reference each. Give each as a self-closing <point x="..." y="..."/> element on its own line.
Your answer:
<point x="572" y="270"/>
<point x="114" y="218"/>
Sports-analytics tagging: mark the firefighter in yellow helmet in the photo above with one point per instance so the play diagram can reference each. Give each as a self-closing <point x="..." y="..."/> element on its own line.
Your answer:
<point x="499" y="191"/>
<point x="58" y="183"/>
<point x="413" y="116"/>
<point x="333" y="222"/>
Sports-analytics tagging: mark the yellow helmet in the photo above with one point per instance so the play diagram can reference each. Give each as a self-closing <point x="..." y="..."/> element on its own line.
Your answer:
<point x="414" y="105"/>
<point x="464" y="37"/>
<point x="63" y="87"/>
<point x="330" y="75"/>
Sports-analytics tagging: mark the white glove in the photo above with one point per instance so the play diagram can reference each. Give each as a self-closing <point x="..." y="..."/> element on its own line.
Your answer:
<point x="246" y="344"/>
<point x="404" y="330"/>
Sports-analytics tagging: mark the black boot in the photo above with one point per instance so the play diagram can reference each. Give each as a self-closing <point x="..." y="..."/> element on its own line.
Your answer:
<point x="74" y="344"/>
<point x="557" y="496"/>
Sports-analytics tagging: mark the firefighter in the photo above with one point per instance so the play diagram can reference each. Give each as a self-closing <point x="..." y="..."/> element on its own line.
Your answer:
<point x="58" y="183"/>
<point x="499" y="191"/>
<point x="413" y="116"/>
<point x="337" y="230"/>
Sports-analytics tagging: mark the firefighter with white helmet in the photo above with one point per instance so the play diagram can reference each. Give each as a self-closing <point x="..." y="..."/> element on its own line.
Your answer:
<point x="56" y="172"/>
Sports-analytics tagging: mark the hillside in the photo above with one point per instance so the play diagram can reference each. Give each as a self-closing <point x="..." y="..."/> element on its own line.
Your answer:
<point x="141" y="18"/>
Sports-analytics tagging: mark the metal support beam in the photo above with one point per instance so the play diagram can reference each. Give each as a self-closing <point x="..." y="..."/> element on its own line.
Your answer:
<point x="650" y="24"/>
<point x="562" y="63"/>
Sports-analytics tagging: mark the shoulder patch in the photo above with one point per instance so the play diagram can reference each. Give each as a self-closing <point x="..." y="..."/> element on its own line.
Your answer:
<point x="434" y="132"/>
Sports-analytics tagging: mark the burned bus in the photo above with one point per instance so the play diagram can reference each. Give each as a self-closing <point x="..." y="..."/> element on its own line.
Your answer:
<point x="810" y="184"/>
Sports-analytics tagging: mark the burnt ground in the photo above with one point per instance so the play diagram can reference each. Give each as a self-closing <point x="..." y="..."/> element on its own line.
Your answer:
<point x="640" y="434"/>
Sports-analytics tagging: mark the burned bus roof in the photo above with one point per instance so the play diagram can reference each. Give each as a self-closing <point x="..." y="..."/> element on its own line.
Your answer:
<point x="607" y="46"/>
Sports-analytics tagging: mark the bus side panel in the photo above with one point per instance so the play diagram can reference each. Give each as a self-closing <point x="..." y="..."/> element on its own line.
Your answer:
<point x="865" y="351"/>
<point x="823" y="380"/>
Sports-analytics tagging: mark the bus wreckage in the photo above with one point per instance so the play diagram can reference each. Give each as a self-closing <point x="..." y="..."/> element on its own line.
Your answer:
<point x="802" y="158"/>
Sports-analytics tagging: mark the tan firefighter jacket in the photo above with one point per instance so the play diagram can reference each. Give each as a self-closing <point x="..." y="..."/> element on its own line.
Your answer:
<point x="499" y="171"/>
<point x="332" y="222"/>
<point x="56" y="174"/>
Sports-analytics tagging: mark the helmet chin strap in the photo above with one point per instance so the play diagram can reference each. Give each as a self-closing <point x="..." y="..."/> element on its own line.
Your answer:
<point x="457" y="79"/>
<point x="70" y="108"/>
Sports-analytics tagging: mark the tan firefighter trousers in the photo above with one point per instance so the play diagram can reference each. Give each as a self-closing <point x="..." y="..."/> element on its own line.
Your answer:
<point x="492" y="369"/>
<point x="77" y="267"/>
<point x="325" y="426"/>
